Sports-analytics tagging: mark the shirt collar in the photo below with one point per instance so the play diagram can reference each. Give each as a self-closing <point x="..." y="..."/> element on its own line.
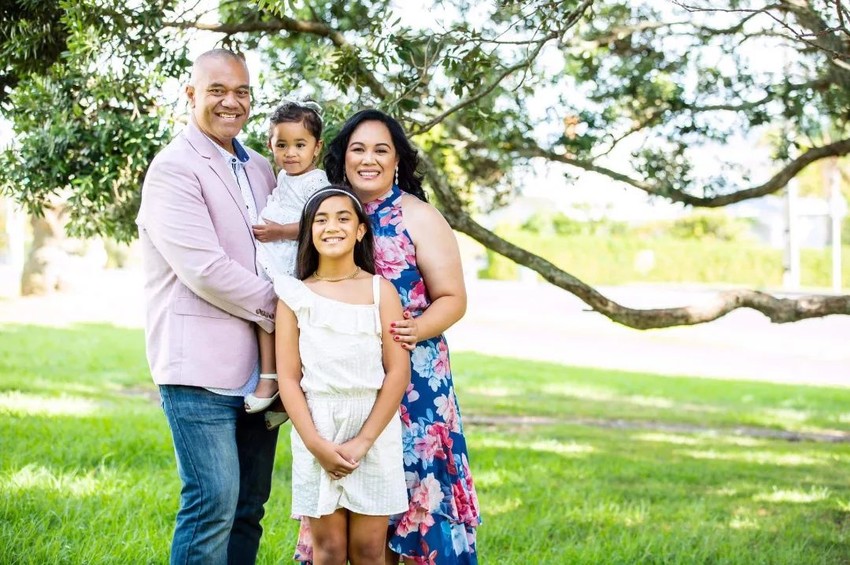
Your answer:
<point x="238" y="149"/>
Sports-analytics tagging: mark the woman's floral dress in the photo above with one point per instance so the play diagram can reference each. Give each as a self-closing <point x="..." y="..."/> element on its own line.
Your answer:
<point x="440" y="524"/>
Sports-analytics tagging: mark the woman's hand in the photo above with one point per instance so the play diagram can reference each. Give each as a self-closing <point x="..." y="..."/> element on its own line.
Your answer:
<point x="335" y="464"/>
<point x="269" y="231"/>
<point x="405" y="331"/>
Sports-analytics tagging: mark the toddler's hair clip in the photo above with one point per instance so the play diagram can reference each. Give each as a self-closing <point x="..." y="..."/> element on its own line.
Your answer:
<point x="308" y="104"/>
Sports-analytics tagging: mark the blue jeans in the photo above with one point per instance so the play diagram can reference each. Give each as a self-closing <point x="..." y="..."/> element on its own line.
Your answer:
<point x="225" y="459"/>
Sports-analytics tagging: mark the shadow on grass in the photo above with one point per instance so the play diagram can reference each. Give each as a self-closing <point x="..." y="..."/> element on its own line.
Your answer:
<point x="492" y="387"/>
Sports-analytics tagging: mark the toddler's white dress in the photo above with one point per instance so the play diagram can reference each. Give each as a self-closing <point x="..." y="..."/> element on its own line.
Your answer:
<point x="284" y="206"/>
<point x="342" y="364"/>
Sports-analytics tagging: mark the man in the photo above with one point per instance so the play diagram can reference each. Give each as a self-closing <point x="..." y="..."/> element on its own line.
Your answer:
<point x="199" y="200"/>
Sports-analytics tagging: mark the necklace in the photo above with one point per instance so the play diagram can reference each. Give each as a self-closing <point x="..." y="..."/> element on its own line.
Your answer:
<point x="345" y="278"/>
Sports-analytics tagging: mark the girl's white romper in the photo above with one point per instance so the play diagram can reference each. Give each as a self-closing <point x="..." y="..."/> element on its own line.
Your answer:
<point x="342" y="364"/>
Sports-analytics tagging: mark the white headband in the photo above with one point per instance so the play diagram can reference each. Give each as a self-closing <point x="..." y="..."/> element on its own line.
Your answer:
<point x="309" y="104"/>
<point x="332" y="189"/>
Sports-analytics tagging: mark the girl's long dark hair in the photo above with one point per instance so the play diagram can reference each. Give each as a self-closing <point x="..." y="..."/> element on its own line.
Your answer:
<point x="408" y="160"/>
<point x="307" y="260"/>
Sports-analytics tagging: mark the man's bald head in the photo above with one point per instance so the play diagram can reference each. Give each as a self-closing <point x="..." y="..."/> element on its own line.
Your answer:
<point x="212" y="57"/>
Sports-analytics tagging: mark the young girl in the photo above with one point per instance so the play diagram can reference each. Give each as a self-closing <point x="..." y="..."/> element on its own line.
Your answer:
<point x="295" y="138"/>
<point x="342" y="380"/>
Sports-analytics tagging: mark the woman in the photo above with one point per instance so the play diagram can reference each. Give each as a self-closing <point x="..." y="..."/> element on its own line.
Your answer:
<point x="416" y="250"/>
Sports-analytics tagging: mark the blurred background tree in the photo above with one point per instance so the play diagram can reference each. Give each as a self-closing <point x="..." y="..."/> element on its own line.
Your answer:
<point x="636" y="91"/>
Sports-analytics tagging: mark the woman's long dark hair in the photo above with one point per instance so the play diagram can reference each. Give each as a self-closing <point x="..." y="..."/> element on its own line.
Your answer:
<point x="408" y="161"/>
<point x="307" y="260"/>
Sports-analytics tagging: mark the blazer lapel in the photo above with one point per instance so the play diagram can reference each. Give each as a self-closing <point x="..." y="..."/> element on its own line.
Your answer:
<point x="204" y="146"/>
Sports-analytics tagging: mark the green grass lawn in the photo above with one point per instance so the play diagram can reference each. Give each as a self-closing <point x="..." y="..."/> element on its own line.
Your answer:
<point x="87" y="473"/>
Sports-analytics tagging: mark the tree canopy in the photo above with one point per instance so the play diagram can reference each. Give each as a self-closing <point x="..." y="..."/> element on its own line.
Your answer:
<point x="636" y="91"/>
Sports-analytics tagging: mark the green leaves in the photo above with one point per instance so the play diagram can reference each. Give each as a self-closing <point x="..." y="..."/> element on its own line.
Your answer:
<point x="88" y="123"/>
<point x="632" y="90"/>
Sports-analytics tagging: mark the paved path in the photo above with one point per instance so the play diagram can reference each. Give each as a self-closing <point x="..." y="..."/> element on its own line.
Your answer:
<point x="539" y="321"/>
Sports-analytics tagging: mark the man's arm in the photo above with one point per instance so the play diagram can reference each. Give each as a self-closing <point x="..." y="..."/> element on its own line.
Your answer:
<point x="178" y="223"/>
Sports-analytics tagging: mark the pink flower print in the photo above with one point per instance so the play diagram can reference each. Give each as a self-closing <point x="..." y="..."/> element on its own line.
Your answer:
<point x="425" y="499"/>
<point x="417" y="298"/>
<point x="435" y="444"/>
<point x="428" y="494"/>
<point x="442" y="432"/>
<point x="413" y="520"/>
<point x="304" y="546"/>
<point x="372" y="206"/>
<point x="412" y="393"/>
<point x="405" y="415"/>
<point x="429" y="446"/>
<point x="467" y="475"/>
<point x="430" y="559"/>
<point x="408" y="249"/>
<point x="393" y="219"/>
<point x="467" y="513"/>
<point x="441" y="363"/>
<point x="470" y="490"/>
<point x="390" y="260"/>
<point x="447" y="408"/>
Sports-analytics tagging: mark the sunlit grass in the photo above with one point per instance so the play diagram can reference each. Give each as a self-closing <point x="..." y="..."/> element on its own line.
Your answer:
<point x="87" y="471"/>
<point x="33" y="477"/>
<point x="503" y="386"/>
<point x="794" y="496"/>
<point x="18" y="404"/>
<point x="758" y="457"/>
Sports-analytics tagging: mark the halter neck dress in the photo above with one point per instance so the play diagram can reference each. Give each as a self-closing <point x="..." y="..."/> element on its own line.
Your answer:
<point x="440" y="523"/>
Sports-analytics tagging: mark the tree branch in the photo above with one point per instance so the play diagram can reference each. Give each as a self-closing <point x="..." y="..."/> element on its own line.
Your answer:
<point x="775" y="183"/>
<point x="486" y="90"/>
<point x="778" y="310"/>
<point x="621" y="33"/>
<point x="569" y="22"/>
<point x="291" y="25"/>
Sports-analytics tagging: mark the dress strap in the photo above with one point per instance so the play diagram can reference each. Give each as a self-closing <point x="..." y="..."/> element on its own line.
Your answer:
<point x="376" y="300"/>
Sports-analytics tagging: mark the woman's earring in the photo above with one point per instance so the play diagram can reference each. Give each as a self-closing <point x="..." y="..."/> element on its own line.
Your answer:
<point x="344" y="179"/>
<point x="396" y="175"/>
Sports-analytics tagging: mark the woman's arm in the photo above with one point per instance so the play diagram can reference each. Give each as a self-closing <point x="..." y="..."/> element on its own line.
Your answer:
<point x="289" y="382"/>
<point x="397" y="368"/>
<point x="438" y="258"/>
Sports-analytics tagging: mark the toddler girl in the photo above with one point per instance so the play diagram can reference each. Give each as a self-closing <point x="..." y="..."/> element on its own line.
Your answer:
<point x="295" y="138"/>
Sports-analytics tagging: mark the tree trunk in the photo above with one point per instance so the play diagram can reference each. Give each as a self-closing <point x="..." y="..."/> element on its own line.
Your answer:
<point x="43" y="271"/>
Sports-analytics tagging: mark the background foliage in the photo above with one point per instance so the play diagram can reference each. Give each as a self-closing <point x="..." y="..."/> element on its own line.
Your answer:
<point x="485" y="89"/>
<point x="648" y="95"/>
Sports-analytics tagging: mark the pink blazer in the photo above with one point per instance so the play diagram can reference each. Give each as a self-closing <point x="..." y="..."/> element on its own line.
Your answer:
<point x="203" y="293"/>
